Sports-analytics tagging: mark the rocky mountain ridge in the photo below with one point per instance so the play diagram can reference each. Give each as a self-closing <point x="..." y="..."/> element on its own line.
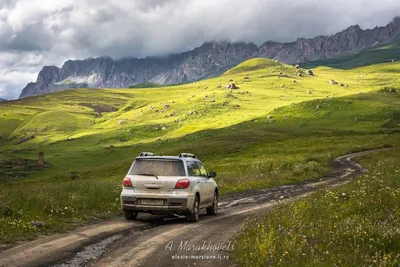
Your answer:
<point x="209" y="60"/>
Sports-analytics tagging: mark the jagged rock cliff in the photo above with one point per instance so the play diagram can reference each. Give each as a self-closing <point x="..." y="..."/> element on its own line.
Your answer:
<point x="208" y="60"/>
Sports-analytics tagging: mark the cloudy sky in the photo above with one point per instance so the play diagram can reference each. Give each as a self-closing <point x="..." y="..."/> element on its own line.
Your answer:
<point x="34" y="33"/>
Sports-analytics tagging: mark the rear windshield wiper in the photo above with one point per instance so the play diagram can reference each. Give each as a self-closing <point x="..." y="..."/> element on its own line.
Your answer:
<point x="147" y="174"/>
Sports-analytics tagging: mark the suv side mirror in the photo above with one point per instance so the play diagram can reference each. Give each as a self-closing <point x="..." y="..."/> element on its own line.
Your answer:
<point x="212" y="175"/>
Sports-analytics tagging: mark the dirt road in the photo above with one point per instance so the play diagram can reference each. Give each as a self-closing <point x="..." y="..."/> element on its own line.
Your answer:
<point x="170" y="241"/>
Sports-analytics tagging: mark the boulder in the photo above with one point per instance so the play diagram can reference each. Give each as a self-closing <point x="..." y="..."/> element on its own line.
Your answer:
<point x="231" y="86"/>
<point x="333" y="82"/>
<point x="310" y="72"/>
<point x="73" y="175"/>
<point x="297" y="66"/>
<point x="341" y="84"/>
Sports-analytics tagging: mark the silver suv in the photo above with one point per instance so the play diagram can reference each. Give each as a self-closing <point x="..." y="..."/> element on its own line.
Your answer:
<point x="169" y="185"/>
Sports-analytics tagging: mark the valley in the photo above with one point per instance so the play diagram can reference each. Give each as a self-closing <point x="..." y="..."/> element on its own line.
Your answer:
<point x="278" y="128"/>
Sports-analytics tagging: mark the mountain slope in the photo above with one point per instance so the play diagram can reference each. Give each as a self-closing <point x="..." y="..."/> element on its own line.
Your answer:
<point x="378" y="54"/>
<point x="209" y="60"/>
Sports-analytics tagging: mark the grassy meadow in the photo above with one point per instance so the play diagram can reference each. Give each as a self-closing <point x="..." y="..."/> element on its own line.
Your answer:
<point x="277" y="128"/>
<point x="357" y="224"/>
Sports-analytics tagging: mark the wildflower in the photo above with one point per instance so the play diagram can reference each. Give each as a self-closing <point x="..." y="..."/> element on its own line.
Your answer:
<point x="37" y="223"/>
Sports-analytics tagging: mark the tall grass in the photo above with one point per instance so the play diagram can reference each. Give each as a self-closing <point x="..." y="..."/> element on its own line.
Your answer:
<point x="56" y="206"/>
<point x="357" y="224"/>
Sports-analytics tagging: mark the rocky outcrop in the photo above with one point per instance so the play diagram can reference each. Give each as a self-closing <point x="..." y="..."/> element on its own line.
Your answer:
<point x="351" y="40"/>
<point x="209" y="60"/>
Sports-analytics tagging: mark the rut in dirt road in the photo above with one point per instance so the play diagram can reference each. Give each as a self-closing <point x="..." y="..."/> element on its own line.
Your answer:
<point x="170" y="241"/>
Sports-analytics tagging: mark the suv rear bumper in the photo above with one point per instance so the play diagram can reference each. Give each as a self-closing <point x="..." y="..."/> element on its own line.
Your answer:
<point x="171" y="203"/>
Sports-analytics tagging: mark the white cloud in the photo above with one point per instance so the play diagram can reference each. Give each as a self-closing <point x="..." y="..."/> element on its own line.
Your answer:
<point x="34" y="33"/>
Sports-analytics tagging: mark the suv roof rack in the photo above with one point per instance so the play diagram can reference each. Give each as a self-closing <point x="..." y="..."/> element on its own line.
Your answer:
<point x="187" y="155"/>
<point x="146" y="154"/>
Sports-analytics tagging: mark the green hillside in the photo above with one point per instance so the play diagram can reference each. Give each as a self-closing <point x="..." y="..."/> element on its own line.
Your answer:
<point x="148" y="85"/>
<point x="277" y="128"/>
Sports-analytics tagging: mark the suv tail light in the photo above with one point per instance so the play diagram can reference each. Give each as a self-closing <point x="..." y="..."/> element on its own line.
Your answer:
<point x="127" y="182"/>
<point x="182" y="184"/>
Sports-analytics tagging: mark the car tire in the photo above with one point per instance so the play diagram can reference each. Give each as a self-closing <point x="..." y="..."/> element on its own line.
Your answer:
<point x="213" y="209"/>
<point x="195" y="214"/>
<point x="130" y="215"/>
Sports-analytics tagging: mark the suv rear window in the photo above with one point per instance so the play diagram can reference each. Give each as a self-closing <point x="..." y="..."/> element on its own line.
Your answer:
<point x="157" y="167"/>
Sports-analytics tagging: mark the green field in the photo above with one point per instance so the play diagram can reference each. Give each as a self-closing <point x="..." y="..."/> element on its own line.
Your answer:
<point x="149" y="85"/>
<point x="357" y="224"/>
<point x="277" y="128"/>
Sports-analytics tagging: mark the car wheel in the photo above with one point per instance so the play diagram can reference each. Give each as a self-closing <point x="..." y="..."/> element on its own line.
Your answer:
<point x="130" y="215"/>
<point x="213" y="209"/>
<point x="194" y="215"/>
